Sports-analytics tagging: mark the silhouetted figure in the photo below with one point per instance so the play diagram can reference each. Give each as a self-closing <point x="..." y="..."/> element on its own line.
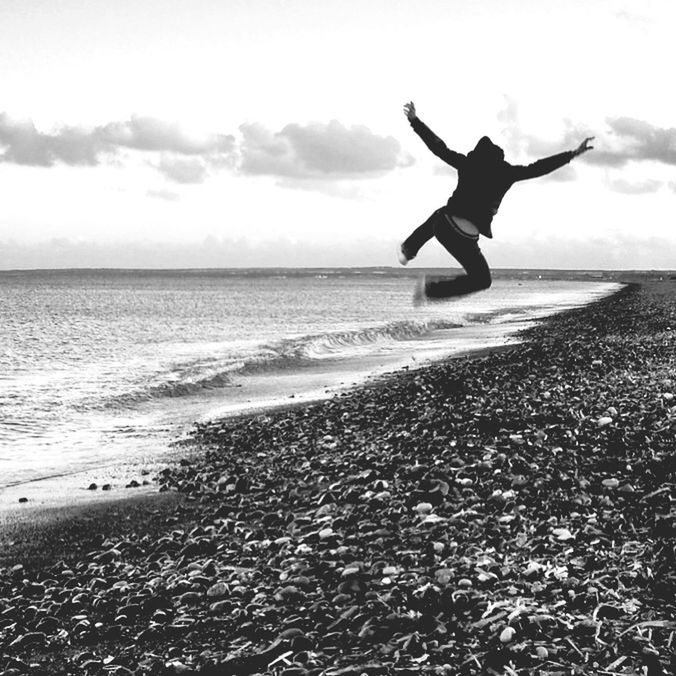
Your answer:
<point x="483" y="179"/>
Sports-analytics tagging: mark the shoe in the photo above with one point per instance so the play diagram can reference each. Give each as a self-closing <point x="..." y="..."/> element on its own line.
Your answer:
<point x="403" y="257"/>
<point x="419" y="295"/>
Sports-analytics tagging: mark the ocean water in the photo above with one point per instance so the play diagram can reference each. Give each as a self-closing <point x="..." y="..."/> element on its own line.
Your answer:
<point x="97" y="367"/>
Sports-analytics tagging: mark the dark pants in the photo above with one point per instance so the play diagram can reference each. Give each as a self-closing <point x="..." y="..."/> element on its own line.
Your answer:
<point x="465" y="250"/>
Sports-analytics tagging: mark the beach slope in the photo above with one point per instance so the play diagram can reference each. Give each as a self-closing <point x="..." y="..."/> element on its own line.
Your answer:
<point x="510" y="513"/>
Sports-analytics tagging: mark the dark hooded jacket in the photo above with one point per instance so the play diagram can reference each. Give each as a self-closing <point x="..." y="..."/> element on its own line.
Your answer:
<point x="483" y="175"/>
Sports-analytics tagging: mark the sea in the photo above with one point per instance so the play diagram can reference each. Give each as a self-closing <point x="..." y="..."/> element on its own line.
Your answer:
<point x="98" y="367"/>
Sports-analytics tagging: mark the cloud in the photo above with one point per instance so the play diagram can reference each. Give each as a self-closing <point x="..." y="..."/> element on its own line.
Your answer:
<point x="163" y="194"/>
<point x="634" y="18"/>
<point x="623" y="140"/>
<point x="314" y="153"/>
<point x="518" y="143"/>
<point x="637" y="140"/>
<point x="319" y="151"/>
<point x="635" y="188"/>
<point x="152" y="134"/>
<point x="22" y="143"/>
<point x="183" y="169"/>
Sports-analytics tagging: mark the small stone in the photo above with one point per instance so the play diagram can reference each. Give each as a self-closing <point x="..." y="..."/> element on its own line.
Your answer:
<point x="221" y="607"/>
<point x="586" y="628"/>
<point x="190" y="598"/>
<point x="350" y="571"/>
<point x="92" y="487"/>
<point x="444" y="575"/>
<point x="604" y="420"/>
<point x="289" y="593"/>
<point x="541" y="652"/>
<point x="562" y="534"/>
<point x="218" y="590"/>
<point x="423" y="507"/>
<point x="519" y="481"/>
<point x="610" y="483"/>
<point x="23" y="499"/>
<point x="31" y="638"/>
<point x="507" y="635"/>
<point x="532" y="569"/>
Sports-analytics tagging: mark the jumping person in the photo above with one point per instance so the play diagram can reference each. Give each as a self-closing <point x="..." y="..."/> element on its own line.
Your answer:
<point x="483" y="179"/>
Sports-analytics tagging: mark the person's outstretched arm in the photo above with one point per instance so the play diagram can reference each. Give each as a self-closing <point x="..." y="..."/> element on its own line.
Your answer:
<point x="431" y="140"/>
<point x="549" y="164"/>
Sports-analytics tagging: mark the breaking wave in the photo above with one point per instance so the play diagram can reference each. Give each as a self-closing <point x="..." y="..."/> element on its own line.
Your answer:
<point x="290" y="353"/>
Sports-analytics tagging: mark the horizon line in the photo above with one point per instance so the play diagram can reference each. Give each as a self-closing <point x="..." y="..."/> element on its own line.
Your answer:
<point x="340" y="267"/>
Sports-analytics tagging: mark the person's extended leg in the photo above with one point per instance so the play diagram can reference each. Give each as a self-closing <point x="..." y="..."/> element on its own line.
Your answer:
<point x="420" y="236"/>
<point x="466" y="251"/>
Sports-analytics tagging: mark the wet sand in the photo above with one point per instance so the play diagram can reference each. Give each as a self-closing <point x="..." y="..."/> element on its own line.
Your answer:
<point x="508" y="513"/>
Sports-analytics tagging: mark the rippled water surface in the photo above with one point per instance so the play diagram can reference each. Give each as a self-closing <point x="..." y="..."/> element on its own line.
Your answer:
<point x="98" y="364"/>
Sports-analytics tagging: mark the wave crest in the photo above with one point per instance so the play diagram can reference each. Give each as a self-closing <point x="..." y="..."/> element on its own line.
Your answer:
<point x="285" y="354"/>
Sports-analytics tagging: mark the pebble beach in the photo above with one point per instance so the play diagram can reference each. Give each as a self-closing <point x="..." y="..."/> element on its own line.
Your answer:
<point x="505" y="513"/>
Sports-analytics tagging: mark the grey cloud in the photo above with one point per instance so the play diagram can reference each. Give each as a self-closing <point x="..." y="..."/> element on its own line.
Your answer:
<point x="152" y="134"/>
<point x="162" y="194"/>
<point x="640" y="140"/>
<point x="319" y="151"/>
<point x="635" y="188"/>
<point x="633" y="18"/>
<point x="625" y="139"/>
<point x="183" y="169"/>
<point x="314" y="152"/>
<point x="517" y="142"/>
<point x="22" y="143"/>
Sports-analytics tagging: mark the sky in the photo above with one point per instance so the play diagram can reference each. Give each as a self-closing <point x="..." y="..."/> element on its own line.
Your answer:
<point x="225" y="133"/>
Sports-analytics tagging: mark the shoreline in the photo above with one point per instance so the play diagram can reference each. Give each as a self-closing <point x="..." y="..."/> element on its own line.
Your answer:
<point x="56" y="499"/>
<point x="46" y="502"/>
<point x="70" y="487"/>
<point x="511" y="510"/>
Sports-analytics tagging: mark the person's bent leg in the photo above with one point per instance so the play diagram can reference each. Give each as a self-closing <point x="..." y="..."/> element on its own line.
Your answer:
<point x="420" y="236"/>
<point x="467" y="252"/>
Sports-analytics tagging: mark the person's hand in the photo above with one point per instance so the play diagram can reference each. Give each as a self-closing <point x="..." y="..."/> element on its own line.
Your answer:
<point x="409" y="110"/>
<point x="584" y="146"/>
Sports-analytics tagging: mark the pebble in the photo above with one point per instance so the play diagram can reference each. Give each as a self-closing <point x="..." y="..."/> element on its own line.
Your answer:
<point x="562" y="534"/>
<point x="507" y="635"/>
<point x="218" y="590"/>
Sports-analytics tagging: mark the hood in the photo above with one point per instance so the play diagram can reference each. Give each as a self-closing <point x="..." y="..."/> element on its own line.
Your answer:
<point x="487" y="151"/>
